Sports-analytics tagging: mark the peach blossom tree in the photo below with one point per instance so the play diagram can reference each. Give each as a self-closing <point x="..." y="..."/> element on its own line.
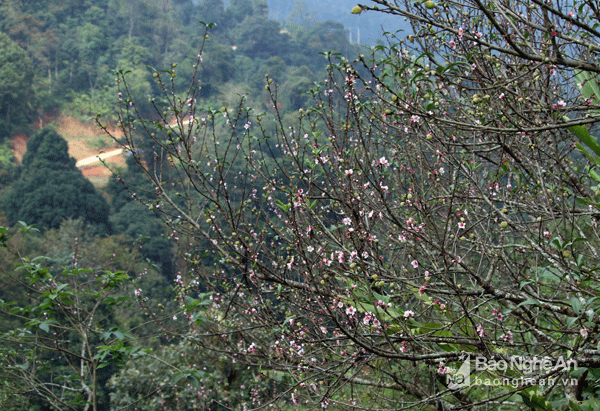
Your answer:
<point x="424" y="233"/>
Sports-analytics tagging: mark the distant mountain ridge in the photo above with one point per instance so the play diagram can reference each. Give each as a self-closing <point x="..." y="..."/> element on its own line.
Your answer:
<point x="369" y="26"/>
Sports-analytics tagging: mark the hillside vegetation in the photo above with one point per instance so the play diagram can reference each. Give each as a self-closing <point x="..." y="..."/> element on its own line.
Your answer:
<point x="59" y="62"/>
<point x="413" y="225"/>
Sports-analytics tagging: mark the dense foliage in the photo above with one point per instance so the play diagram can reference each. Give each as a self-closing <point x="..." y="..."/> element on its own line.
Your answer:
<point x="71" y="48"/>
<point x="51" y="189"/>
<point x="65" y="330"/>
<point x="435" y="205"/>
<point x="60" y="58"/>
<point x="16" y="75"/>
<point x="418" y="230"/>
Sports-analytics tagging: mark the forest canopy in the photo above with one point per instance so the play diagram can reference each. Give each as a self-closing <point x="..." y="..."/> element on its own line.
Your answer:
<point x="416" y="229"/>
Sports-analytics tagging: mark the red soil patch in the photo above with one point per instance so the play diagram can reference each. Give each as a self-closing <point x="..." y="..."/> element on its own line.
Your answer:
<point x="85" y="140"/>
<point x="19" y="145"/>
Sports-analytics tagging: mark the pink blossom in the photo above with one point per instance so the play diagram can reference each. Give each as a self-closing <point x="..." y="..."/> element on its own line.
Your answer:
<point x="409" y="313"/>
<point x="508" y="337"/>
<point x="415" y="263"/>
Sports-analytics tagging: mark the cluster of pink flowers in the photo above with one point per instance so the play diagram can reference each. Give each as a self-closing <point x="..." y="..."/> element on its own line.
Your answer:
<point x="382" y="161"/>
<point x="508" y="337"/>
<point x="371" y="319"/>
<point x="498" y="314"/>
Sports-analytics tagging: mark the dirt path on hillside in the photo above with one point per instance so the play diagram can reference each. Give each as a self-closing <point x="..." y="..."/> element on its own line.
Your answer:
<point x="87" y="144"/>
<point x="99" y="158"/>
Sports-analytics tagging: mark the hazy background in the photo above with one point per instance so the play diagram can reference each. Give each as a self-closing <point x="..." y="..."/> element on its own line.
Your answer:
<point x="370" y="25"/>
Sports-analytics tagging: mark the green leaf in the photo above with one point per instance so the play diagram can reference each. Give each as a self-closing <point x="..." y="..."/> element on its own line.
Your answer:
<point x="283" y="207"/>
<point x="535" y="401"/>
<point x="427" y="328"/>
<point x="44" y="327"/>
<point x="582" y="133"/>
<point x="530" y="301"/>
<point x="590" y="84"/>
<point x="576" y="305"/>
<point x="573" y="406"/>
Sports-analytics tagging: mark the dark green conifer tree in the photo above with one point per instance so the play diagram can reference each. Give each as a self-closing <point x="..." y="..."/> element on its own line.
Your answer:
<point x="52" y="189"/>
